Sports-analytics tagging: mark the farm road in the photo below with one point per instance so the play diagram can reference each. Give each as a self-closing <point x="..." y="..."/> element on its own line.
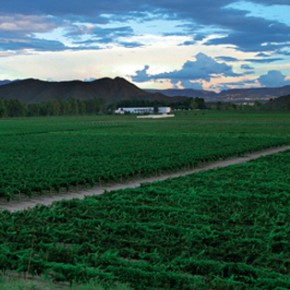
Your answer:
<point x="25" y="203"/>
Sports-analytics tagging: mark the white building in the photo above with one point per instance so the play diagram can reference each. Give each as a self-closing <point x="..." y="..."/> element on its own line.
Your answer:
<point x="164" y="110"/>
<point x="143" y="110"/>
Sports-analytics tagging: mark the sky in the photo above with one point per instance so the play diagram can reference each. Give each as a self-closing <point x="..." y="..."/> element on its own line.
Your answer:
<point x="209" y="45"/>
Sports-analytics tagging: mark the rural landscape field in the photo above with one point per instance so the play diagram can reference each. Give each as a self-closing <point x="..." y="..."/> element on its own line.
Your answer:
<point x="55" y="154"/>
<point x="145" y="145"/>
<point x="221" y="229"/>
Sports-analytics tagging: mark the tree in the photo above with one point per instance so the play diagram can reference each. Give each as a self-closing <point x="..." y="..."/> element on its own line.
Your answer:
<point x="15" y="108"/>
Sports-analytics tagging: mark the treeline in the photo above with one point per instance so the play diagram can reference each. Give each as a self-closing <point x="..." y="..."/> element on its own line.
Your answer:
<point x="60" y="107"/>
<point x="227" y="106"/>
<point x="188" y="103"/>
<point x="15" y="108"/>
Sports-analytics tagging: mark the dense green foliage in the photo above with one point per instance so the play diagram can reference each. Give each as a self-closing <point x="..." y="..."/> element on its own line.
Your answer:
<point x="57" y="153"/>
<point x="60" y="107"/>
<point x="15" y="108"/>
<point x="223" y="229"/>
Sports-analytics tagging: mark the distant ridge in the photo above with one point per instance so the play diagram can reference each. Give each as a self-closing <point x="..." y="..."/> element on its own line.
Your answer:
<point x="119" y="89"/>
<point x="281" y="103"/>
<point x="110" y="90"/>
<point x="4" y="82"/>
<point x="234" y="95"/>
<point x="191" y="93"/>
<point x="254" y="94"/>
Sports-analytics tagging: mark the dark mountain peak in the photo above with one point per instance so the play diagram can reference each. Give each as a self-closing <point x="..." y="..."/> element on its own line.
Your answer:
<point x="120" y="79"/>
<point x="106" y="79"/>
<point x="123" y="81"/>
<point x="110" y="90"/>
<point x="32" y="80"/>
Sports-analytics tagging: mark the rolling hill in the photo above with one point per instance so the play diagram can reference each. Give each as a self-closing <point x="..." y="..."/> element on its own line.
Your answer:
<point x="233" y="95"/>
<point x="119" y="89"/>
<point x="191" y="93"/>
<point x="110" y="90"/>
<point x="281" y="103"/>
<point x="253" y="94"/>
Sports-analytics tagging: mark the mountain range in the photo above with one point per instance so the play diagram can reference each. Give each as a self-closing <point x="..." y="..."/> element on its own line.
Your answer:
<point x="110" y="90"/>
<point x="118" y="89"/>
<point x="233" y="95"/>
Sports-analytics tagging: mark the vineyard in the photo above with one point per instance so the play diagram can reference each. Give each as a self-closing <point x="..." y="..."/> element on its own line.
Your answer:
<point x="222" y="229"/>
<point x="57" y="154"/>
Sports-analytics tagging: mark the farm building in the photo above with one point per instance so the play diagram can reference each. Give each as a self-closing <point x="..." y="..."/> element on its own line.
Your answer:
<point x="143" y="110"/>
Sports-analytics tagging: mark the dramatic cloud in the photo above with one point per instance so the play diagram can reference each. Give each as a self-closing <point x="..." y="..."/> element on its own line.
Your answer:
<point x="203" y="68"/>
<point x="273" y="78"/>
<point x="265" y="37"/>
<point x="142" y="75"/>
<point x="162" y="33"/>
<point x="247" y="33"/>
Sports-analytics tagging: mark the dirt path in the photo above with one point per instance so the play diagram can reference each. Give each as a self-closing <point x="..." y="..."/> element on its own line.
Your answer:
<point x="25" y="202"/>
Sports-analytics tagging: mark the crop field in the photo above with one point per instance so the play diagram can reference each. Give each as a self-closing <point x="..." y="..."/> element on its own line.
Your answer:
<point x="38" y="155"/>
<point x="222" y="229"/>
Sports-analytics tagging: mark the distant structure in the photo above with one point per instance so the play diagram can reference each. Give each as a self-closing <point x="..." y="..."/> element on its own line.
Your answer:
<point x="143" y="110"/>
<point x="153" y="116"/>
